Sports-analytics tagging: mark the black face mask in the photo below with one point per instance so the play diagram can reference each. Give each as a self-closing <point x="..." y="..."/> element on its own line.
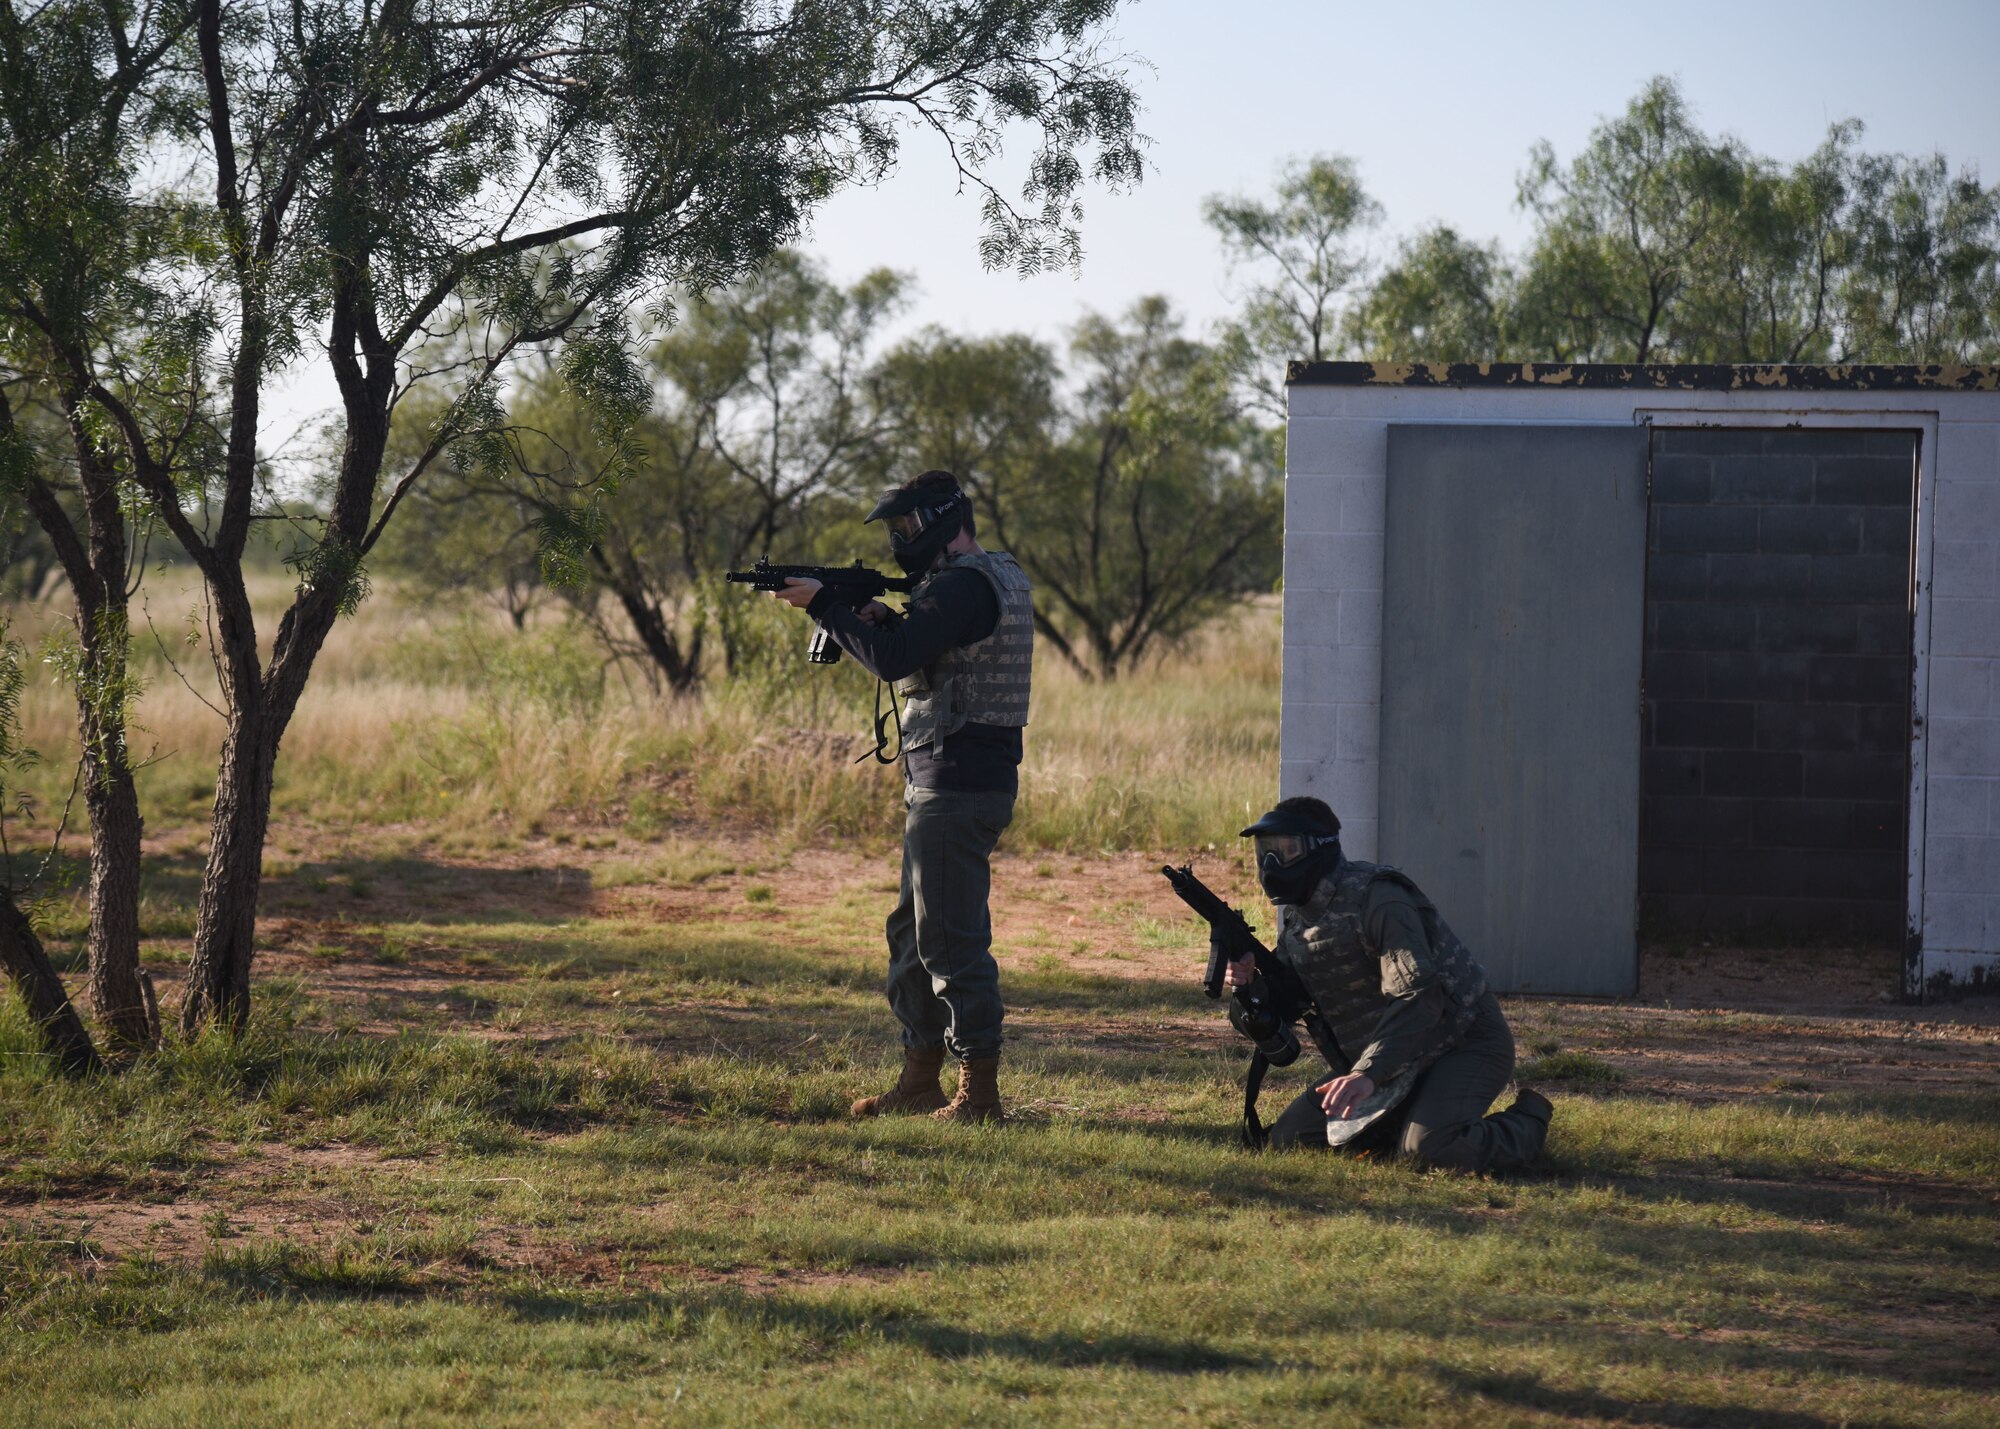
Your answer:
<point x="918" y="553"/>
<point x="1292" y="884"/>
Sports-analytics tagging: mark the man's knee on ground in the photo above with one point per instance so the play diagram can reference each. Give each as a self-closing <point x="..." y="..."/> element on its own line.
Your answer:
<point x="1449" y="1148"/>
<point x="1300" y="1127"/>
<point x="1297" y="1137"/>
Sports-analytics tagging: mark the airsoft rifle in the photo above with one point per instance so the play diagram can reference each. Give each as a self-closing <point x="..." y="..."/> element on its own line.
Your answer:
<point x="854" y="585"/>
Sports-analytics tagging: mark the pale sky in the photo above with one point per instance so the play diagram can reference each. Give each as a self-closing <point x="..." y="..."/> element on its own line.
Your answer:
<point x="1438" y="104"/>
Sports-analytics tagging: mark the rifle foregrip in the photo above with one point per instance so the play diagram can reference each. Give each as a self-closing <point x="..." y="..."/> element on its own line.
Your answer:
<point x="1211" y="981"/>
<point x="1206" y="906"/>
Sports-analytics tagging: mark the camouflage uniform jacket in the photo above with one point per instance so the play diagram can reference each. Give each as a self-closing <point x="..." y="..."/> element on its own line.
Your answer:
<point x="985" y="682"/>
<point x="1352" y="982"/>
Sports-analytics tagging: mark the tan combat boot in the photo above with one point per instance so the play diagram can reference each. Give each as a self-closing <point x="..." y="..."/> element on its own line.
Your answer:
<point x="978" y="1096"/>
<point x="915" y="1091"/>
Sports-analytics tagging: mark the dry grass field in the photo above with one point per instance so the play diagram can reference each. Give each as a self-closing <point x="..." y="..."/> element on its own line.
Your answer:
<point x="562" y="995"/>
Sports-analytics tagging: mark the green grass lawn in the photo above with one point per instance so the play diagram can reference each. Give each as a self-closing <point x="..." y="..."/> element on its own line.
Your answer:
<point x="605" y="1174"/>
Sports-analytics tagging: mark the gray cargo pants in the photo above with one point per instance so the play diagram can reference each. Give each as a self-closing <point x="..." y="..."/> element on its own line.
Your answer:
<point x="1443" y="1122"/>
<point x="944" y="986"/>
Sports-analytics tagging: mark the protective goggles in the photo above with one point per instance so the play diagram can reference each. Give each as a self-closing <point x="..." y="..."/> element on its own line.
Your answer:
<point x="909" y="525"/>
<point x="1285" y="850"/>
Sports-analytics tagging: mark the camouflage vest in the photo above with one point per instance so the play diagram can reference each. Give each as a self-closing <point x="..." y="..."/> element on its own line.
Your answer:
<point x="1352" y="984"/>
<point x="985" y="682"/>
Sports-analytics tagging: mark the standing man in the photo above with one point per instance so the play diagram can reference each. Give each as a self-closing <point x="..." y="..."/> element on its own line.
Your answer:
<point x="1399" y="1007"/>
<point x="959" y="655"/>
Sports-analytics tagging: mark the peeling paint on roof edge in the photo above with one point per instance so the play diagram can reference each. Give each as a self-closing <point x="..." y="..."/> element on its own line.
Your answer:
<point x="1683" y="377"/>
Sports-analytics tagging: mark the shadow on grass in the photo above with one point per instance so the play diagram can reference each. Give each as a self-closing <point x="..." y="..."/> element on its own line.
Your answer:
<point x="1833" y="1194"/>
<point x="1524" y="1391"/>
<point x="899" y="1326"/>
<point x="405" y="888"/>
<point x="339" y="1273"/>
<point x="386" y="888"/>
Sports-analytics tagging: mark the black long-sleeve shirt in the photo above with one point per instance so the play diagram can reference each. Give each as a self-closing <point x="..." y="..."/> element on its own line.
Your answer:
<point x="955" y="608"/>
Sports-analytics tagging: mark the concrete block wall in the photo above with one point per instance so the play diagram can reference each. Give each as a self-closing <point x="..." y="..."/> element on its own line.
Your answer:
<point x="1777" y="732"/>
<point x="1335" y="493"/>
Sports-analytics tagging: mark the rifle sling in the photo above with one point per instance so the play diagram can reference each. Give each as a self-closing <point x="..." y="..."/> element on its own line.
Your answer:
<point x="1255" y="1138"/>
<point x="880" y="753"/>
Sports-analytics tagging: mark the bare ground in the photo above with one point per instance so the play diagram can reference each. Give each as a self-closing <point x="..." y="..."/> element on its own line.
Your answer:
<point x="1711" y="1024"/>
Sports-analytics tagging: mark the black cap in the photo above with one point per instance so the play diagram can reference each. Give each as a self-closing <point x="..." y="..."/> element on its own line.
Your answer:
<point x="1296" y="816"/>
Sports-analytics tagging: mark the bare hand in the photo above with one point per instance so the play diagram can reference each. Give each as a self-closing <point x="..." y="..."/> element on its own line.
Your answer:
<point x="1339" y="1097"/>
<point x="797" y="593"/>
<point x="874" y="613"/>
<point x="1240" y="973"/>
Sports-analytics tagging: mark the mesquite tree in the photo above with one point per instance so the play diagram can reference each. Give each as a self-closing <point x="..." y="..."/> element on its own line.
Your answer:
<point x="97" y="556"/>
<point x="1142" y="504"/>
<point x="1306" y="249"/>
<point x="78" y="280"/>
<point x="760" y="414"/>
<point x="417" y="191"/>
<point x="1658" y="242"/>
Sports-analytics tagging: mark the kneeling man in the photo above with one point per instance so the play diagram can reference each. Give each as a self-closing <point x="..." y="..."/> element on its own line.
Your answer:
<point x="1416" y="1041"/>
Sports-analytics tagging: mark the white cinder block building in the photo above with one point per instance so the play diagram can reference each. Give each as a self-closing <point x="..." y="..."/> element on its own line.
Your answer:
<point x="1593" y="649"/>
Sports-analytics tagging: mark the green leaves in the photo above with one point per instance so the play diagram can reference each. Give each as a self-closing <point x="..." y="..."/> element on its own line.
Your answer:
<point x="14" y="756"/>
<point x="1444" y="295"/>
<point x="566" y="534"/>
<point x="1924" y="284"/>
<point x="1658" y="243"/>
<point x="333" y="567"/>
<point x="107" y="689"/>
<point x="1304" y="246"/>
<point x="599" y="367"/>
<point x="1654" y="242"/>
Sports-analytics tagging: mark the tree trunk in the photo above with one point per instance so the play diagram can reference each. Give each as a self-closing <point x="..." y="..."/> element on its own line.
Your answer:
<point x="94" y="563"/>
<point x="49" y="1008"/>
<point x="218" y="985"/>
<point x="117" y="992"/>
<point x="659" y="642"/>
<point x="649" y="622"/>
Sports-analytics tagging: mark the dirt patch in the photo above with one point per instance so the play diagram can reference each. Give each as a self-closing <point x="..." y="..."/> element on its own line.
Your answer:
<point x="1718" y="1053"/>
<point x="604" y="1262"/>
<point x="1112" y="915"/>
<point x="1853" y="981"/>
<point x="273" y="1193"/>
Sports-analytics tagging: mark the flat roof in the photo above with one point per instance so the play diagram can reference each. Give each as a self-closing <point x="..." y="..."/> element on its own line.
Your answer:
<point x="1681" y="377"/>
